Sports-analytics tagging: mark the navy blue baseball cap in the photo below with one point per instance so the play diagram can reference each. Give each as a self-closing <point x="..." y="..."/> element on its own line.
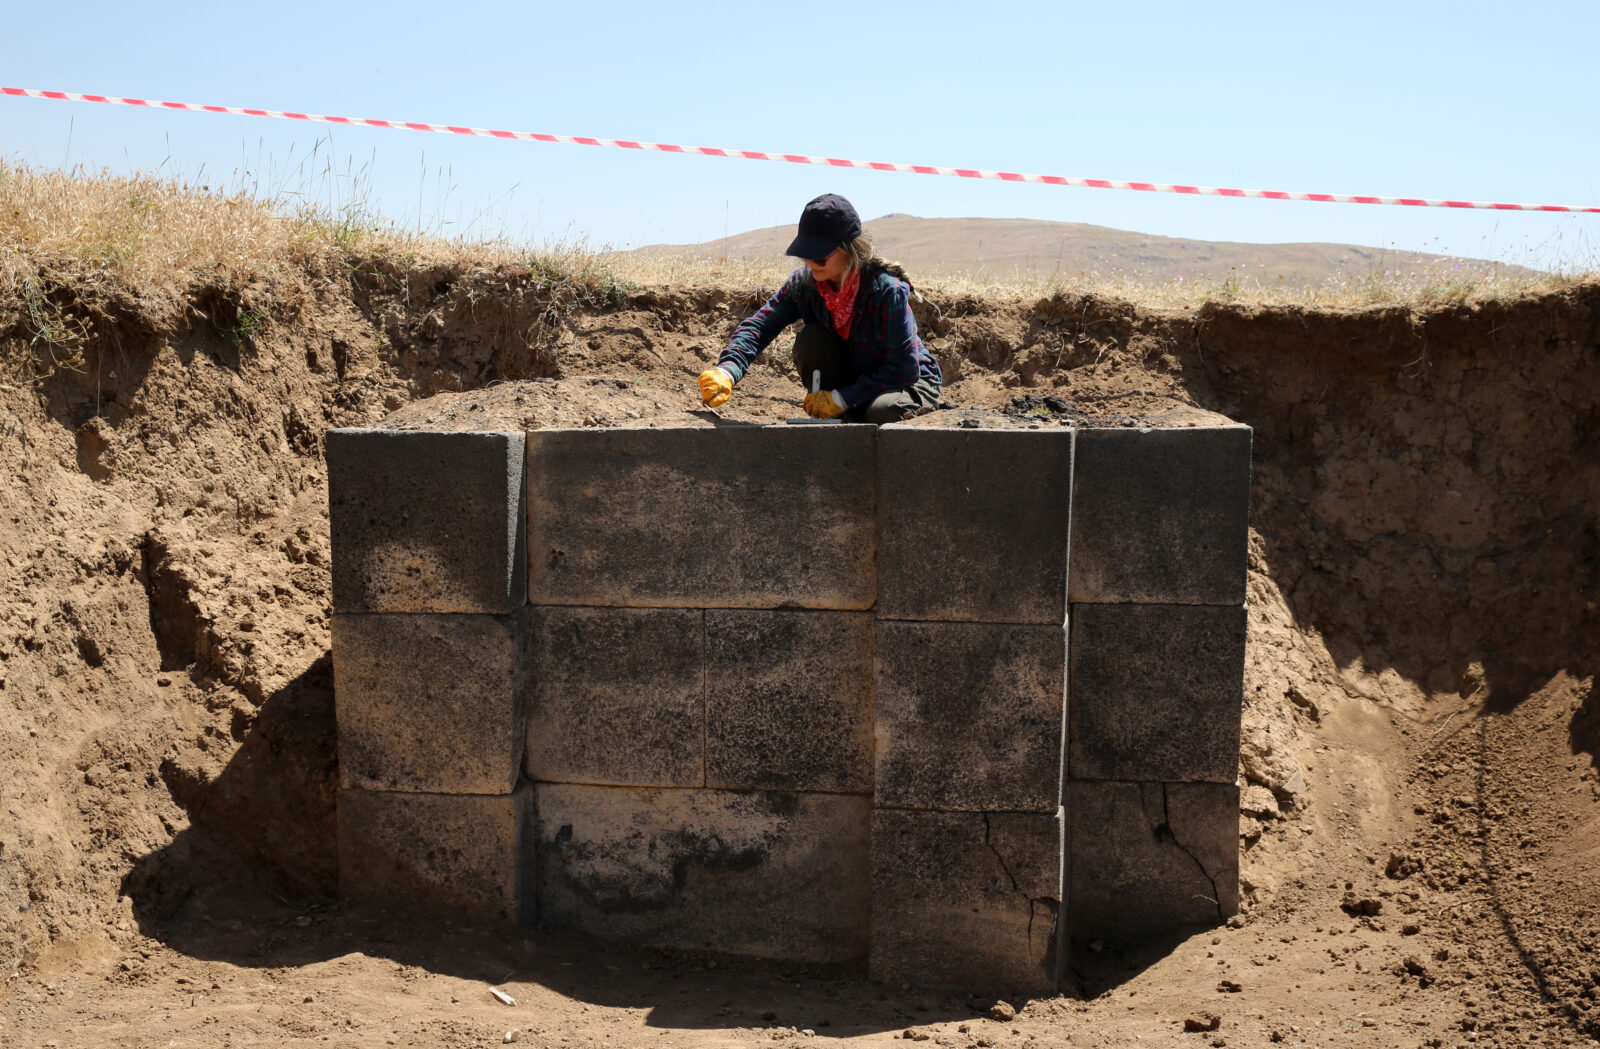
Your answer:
<point x="826" y="223"/>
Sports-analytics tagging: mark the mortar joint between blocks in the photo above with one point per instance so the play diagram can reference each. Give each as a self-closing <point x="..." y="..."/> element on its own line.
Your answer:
<point x="705" y="699"/>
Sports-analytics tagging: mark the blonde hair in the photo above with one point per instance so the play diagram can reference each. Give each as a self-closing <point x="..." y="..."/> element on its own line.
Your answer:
<point x="857" y="253"/>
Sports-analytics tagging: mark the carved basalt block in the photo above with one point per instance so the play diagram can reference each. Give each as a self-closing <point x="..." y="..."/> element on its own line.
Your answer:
<point x="449" y="851"/>
<point x="1161" y="516"/>
<point x="730" y="517"/>
<point x="1157" y="692"/>
<point x="426" y="522"/>
<point x="618" y="697"/>
<point x="789" y="700"/>
<point x="430" y="703"/>
<point x="969" y="716"/>
<point x="973" y="524"/>
<point x="966" y="899"/>
<point x="768" y="874"/>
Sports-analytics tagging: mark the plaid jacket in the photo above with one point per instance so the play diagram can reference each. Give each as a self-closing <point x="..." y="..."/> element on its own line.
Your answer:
<point x="885" y="352"/>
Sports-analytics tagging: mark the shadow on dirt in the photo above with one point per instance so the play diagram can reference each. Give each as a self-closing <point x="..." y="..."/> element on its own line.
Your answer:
<point x="253" y="880"/>
<point x="1099" y="967"/>
<point x="263" y="829"/>
<point x="1584" y="729"/>
<point x="676" y="990"/>
<point x="1423" y="484"/>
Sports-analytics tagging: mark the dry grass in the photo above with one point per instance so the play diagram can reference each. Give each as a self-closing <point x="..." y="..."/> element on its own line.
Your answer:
<point x="140" y="232"/>
<point x="69" y="240"/>
<point x="161" y="237"/>
<point x="693" y="271"/>
<point x="1421" y="287"/>
<point x="1447" y="283"/>
<point x="66" y="237"/>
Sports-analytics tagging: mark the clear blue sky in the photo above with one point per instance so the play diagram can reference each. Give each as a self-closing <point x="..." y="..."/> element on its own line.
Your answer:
<point x="1489" y="101"/>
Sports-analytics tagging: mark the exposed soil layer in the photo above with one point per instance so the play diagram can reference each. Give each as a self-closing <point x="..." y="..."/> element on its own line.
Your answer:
<point x="1421" y="835"/>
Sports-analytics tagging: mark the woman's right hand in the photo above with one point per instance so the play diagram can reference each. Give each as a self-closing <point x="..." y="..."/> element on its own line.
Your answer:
<point x="716" y="386"/>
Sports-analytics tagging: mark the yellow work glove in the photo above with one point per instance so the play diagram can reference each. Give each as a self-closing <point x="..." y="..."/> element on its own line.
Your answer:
<point x="716" y="386"/>
<point x="824" y="404"/>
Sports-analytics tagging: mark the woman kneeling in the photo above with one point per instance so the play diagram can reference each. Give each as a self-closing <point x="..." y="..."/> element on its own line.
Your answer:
<point x="859" y="333"/>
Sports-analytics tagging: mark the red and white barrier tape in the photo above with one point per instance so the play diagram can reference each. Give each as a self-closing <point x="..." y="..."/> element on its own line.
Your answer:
<point x="793" y="158"/>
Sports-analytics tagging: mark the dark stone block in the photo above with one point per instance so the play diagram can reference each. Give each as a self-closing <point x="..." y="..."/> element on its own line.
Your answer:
<point x="1149" y="859"/>
<point x="731" y="517"/>
<point x="1161" y="516"/>
<point x="1156" y="692"/>
<point x="966" y="899"/>
<point x="426" y="522"/>
<point x="455" y="851"/>
<point x="969" y="716"/>
<point x="774" y="875"/>
<point x="618" y="697"/>
<point x="789" y="700"/>
<point x="973" y="524"/>
<point x="430" y="703"/>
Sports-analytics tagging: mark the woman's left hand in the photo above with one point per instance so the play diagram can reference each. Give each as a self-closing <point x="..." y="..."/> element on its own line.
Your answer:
<point x="824" y="404"/>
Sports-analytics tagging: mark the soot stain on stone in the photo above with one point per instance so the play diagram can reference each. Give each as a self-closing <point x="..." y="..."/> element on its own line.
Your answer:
<point x="636" y="891"/>
<point x="779" y="803"/>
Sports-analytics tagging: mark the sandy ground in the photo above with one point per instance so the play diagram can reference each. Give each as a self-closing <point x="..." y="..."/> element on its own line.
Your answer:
<point x="1421" y="835"/>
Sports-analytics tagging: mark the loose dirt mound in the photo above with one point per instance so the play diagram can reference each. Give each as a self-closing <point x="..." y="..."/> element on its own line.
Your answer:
<point x="1421" y="836"/>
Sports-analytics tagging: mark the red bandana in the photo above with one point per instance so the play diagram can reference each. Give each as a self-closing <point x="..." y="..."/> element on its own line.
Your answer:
<point x="841" y="303"/>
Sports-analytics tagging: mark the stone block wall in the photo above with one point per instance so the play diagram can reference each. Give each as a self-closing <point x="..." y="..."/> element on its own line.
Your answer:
<point x="1156" y="598"/>
<point x="700" y="726"/>
<point x="430" y="669"/>
<point x="937" y="700"/>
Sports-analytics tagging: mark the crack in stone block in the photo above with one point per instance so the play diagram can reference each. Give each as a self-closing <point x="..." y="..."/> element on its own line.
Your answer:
<point x="957" y="899"/>
<point x="1150" y="858"/>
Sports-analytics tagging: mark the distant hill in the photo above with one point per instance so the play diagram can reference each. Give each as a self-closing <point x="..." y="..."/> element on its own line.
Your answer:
<point x="1000" y="248"/>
